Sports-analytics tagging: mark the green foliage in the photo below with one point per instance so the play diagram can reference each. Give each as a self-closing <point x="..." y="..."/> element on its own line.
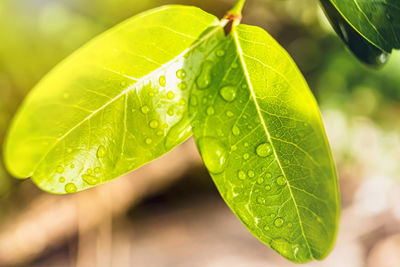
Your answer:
<point x="261" y="137"/>
<point x="370" y="28"/>
<point x="109" y="108"/>
<point x="135" y="92"/>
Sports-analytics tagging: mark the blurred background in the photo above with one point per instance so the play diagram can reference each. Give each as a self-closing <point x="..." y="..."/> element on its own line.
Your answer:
<point x="168" y="213"/>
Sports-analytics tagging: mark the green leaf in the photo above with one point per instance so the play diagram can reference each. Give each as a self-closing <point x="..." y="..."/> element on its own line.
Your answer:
<point x="363" y="49"/>
<point x="115" y="104"/>
<point x="260" y="134"/>
<point x="376" y="20"/>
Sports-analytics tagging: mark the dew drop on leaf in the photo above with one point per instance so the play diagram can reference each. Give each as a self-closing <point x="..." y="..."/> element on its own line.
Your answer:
<point x="210" y="111"/>
<point x="97" y="170"/>
<point x="148" y="141"/>
<point x="204" y="78"/>
<point x="90" y="179"/>
<point x="250" y="173"/>
<point x="193" y="101"/>
<point x="182" y="85"/>
<point x="214" y="154"/>
<point x="162" y="81"/>
<point x="153" y="124"/>
<point x="101" y="152"/>
<point x="181" y="73"/>
<point x="177" y="133"/>
<point x="70" y="188"/>
<point x="235" y="130"/>
<point x="241" y="175"/>
<point x="170" y="95"/>
<point x="228" y="93"/>
<point x="89" y="171"/>
<point x="260" y="180"/>
<point x="267" y="187"/>
<point x="264" y="150"/>
<point x="229" y="113"/>
<point x="281" y="180"/>
<point x="61" y="179"/>
<point x="278" y="222"/>
<point x="246" y="156"/>
<point x="220" y="53"/>
<point x="144" y="109"/>
<point x="60" y="169"/>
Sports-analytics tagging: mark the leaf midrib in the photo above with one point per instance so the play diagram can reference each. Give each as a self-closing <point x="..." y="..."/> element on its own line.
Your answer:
<point x="132" y="87"/>
<point x="241" y="54"/>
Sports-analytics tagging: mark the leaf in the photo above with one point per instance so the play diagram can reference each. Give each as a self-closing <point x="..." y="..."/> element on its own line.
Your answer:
<point x="376" y="20"/>
<point x="115" y="104"/>
<point x="361" y="47"/>
<point x="260" y="135"/>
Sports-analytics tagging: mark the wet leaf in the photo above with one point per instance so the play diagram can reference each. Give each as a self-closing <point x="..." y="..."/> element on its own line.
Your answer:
<point x="376" y="20"/>
<point x="115" y="104"/>
<point x="363" y="49"/>
<point x="260" y="135"/>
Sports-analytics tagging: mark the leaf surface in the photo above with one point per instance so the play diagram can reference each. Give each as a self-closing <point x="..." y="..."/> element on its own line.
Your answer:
<point x="115" y="104"/>
<point x="261" y="137"/>
<point x="378" y="21"/>
<point x="363" y="49"/>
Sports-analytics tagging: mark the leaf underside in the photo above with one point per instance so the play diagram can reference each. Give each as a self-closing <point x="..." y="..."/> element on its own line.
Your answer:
<point x="261" y="137"/>
<point x="115" y="104"/>
<point x="363" y="49"/>
<point x="135" y="92"/>
<point x="377" y="20"/>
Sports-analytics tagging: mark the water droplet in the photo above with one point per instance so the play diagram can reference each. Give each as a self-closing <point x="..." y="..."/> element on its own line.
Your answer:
<point x="70" y="188"/>
<point x="267" y="187"/>
<point x="101" y="152"/>
<point x="210" y="111"/>
<point x="272" y="215"/>
<point x="233" y="148"/>
<point x="204" y="78"/>
<point x="228" y="93"/>
<point x="260" y="200"/>
<point x="260" y="180"/>
<point x="246" y="144"/>
<point x="193" y="101"/>
<point x="89" y="171"/>
<point x="60" y="169"/>
<point x="90" y="179"/>
<point x="162" y="80"/>
<point x="281" y="180"/>
<point x="61" y="179"/>
<point x="264" y="150"/>
<point x="234" y="65"/>
<point x="244" y="86"/>
<point x="178" y="133"/>
<point x="148" y="141"/>
<point x="214" y="154"/>
<point x="235" y="130"/>
<point x="266" y="228"/>
<point x="160" y="133"/>
<point x="278" y="222"/>
<point x="69" y="150"/>
<point x="290" y="225"/>
<point x="241" y="175"/>
<point x="181" y="73"/>
<point x="170" y="111"/>
<point x="268" y="175"/>
<point x="72" y="166"/>
<point x="250" y="173"/>
<point x="144" y="109"/>
<point x="170" y="95"/>
<point x="182" y="85"/>
<point x="220" y="53"/>
<point x="154" y="124"/>
<point x="97" y="170"/>
<point x="229" y="113"/>
<point x="246" y="156"/>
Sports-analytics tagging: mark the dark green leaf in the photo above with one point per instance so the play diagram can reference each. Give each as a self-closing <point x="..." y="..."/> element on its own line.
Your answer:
<point x="378" y="21"/>
<point x="260" y="134"/>
<point x="361" y="47"/>
<point x="115" y="104"/>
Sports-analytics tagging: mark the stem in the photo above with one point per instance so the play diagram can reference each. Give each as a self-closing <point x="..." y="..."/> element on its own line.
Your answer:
<point x="237" y="8"/>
